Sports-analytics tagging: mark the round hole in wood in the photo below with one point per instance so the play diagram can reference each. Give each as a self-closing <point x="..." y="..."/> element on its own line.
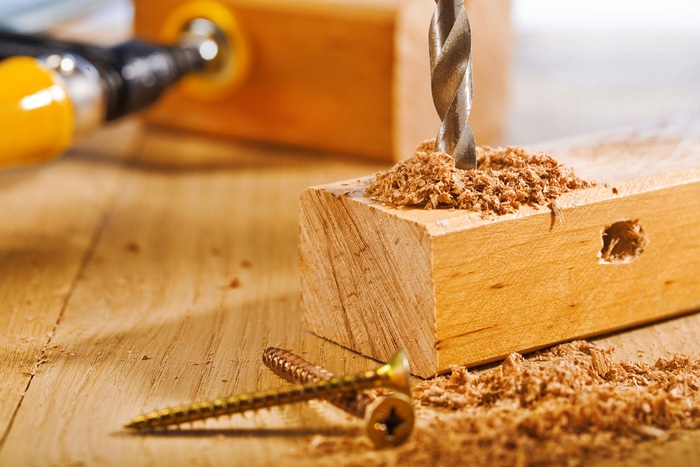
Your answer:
<point x="623" y="242"/>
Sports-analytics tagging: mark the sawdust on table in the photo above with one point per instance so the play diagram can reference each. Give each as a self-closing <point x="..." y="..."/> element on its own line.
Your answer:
<point x="505" y="180"/>
<point x="570" y="405"/>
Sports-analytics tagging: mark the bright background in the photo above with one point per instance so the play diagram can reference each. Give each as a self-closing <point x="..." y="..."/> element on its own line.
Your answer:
<point x="595" y="65"/>
<point x="616" y="16"/>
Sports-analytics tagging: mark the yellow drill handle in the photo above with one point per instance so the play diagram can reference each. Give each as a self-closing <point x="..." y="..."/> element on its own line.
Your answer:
<point x="37" y="120"/>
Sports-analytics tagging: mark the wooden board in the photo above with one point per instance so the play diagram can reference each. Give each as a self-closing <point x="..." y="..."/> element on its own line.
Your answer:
<point x="341" y="76"/>
<point x="452" y="287"/>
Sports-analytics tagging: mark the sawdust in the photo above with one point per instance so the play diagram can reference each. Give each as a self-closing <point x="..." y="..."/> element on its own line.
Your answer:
<point x="505" y="180"/>
<point x="570" y="405"/>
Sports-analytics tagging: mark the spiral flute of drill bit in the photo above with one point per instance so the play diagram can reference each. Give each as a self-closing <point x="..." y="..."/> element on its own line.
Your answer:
<point x="451" y="80"/>
<point x="297" y="370"/>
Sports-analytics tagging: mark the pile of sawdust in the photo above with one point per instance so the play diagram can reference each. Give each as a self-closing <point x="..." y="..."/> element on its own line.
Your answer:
<point x="504" y="180"/>
<point x="566" y="406"/>
<point x="567" y="403"/>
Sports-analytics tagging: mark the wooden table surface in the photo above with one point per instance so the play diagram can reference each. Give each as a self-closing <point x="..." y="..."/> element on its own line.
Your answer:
<point x="117" y="297"/>
<point x="148" y="268"/>
<point x="118" y="292"/>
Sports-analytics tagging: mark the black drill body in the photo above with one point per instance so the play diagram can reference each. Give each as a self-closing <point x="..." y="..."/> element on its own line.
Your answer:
<point x="133" y="74"/>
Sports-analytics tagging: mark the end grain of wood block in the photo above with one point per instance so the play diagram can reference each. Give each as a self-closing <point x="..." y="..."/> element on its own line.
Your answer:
<point x="451" y="287"/>
<point x="345" y="76"/>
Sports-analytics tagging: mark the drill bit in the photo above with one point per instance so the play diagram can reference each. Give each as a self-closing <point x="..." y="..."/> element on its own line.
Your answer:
<point x="451" y="80"/>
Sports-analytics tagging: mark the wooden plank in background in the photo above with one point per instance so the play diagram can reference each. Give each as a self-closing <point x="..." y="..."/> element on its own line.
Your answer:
<point x="342" y="75"/>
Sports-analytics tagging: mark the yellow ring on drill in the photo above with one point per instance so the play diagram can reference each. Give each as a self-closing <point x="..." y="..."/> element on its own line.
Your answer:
<point x="208" y="86"/>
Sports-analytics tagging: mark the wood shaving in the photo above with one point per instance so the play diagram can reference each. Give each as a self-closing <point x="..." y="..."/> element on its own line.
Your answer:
<point x="570" y="405"/>
<point x="505" y="180"/>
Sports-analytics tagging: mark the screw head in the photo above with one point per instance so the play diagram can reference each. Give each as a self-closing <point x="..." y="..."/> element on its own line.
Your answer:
<point x="390" y="419"/>
<point x="398" y="373"/>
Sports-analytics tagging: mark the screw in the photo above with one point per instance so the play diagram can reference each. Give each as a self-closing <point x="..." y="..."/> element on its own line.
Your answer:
<point x="295" y="369"/>
<point x="389" y="418"/>
<point x="392" y="375"/>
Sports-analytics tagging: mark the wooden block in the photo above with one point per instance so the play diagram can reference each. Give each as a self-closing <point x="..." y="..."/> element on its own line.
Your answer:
<point x="451" y="287"/>
<point x="338" y="75"/>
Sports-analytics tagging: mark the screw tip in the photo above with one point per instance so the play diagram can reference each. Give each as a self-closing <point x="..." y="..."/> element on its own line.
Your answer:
<point x="138" y="423"/>
<point x="132" y="425"/>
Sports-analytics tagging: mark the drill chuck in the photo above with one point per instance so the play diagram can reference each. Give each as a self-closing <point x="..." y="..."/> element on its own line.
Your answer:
<point x="135" y="74"/>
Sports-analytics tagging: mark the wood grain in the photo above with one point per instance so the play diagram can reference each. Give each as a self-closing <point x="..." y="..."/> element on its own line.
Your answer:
<point x="51" y="217"/>
<point x="184" y="283"/>
<point x="513" y="283"/>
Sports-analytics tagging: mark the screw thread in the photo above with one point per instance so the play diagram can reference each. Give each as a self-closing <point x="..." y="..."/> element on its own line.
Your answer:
<point x="262" y="399"/>
<point x="295" y="369"/>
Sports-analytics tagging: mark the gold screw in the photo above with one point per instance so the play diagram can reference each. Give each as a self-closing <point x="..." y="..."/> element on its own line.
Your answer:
<point x="389" y="419"/>
<point x="295" y="369"/>
<point x="392" y="375"/>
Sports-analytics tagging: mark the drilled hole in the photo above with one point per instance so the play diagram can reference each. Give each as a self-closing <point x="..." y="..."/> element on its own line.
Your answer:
<point x="623" y="242"/>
